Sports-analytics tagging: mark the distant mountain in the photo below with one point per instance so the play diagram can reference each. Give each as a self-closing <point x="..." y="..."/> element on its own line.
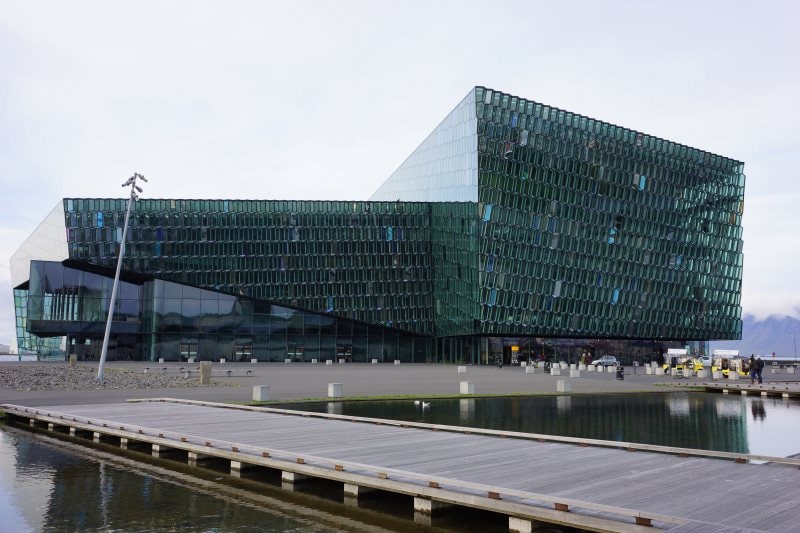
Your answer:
<point x="773" y="334"/>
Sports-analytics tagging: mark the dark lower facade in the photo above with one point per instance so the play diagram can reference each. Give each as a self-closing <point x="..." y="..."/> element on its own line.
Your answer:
<point x="157" y="319"/>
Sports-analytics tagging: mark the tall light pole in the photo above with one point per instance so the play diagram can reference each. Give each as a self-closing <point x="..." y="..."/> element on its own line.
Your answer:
<point x="794" y="340"/>
<point x="133" y="197"/>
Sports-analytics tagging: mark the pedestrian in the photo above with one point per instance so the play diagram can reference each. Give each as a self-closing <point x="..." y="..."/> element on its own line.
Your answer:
<point x="759" y="369"/>
<point x="752" y="367"/>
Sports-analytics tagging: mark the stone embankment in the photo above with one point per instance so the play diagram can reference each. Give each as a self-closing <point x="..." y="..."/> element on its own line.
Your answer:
<point x="62" y="378"/>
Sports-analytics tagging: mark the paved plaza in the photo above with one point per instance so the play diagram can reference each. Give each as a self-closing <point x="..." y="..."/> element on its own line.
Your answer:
<point x="296" y="381"/>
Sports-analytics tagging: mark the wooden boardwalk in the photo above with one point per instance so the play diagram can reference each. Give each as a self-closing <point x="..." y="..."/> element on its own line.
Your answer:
<point x="593" y="485"/>
<point x="784" y="389"/>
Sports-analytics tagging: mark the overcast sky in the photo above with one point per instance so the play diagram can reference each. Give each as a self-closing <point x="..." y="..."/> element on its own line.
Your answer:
<point x="323" y="100"/>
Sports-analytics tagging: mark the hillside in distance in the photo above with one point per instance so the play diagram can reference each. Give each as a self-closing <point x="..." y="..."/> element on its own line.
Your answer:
<point x="772" y="334"/>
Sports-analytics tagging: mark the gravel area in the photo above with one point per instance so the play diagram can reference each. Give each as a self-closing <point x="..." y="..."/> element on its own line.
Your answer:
<point x="63" y="378"/>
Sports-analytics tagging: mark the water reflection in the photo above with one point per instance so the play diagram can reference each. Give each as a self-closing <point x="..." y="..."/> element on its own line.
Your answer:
<point x="690" y="420"/>
<point x="45" y="488"/>
<point x="757" y="408"/>
<point x="466" y="410"/>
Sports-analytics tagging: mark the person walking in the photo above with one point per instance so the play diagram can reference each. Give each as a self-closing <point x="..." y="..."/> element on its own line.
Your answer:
<point x="759" y="370"/>
<point x="752" y="368"/>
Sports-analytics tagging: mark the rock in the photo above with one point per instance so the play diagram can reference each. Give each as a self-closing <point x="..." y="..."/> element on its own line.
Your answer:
<point x="58" y="377"/>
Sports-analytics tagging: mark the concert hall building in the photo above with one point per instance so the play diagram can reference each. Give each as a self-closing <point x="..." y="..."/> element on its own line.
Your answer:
<point x="515" y="230"/>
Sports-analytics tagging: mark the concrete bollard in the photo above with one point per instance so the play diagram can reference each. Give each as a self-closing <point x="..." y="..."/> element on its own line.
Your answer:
<point x="659" y="371"/>
<point x="161" y="360"/>
<point x="582" y="366"/>
<point x="790" y="370"/>
<point x="774" y="370"/>
<point x="563" y="365"/>
<point x="397" y="361"/>
<point x="341" y="361"/>
<point x="374" y="361"/>
<point x="716" y="374"/>
<point x="562" y="385"/>
<point x="253" y="361"/>
<point x="555" y="371"/>
<point x="73" y="360"/>
<point x="314" y="361"/>
<point x="328" y="362"/>
<point x="287" y="361"/>
<point x="191" y="360"/>
<point x="523" y="364"/>
<point x="599" y="368"/>
<point x="574" y="373"/>
<point x="222" y="360"/>
<point x="462" y="369"/>
<point x="648" y="370"/>
<point x="205" y="373"/>
<point x="260" y="393"/>
<point x="590" y="368"/>
<point x="573" y="366"/>
<point x="530" y="369"/>
<point x="467" y="387"/>
<point x="334" y="390"/>
<point x="733" y="376"/>
<point x="701" y="374"/>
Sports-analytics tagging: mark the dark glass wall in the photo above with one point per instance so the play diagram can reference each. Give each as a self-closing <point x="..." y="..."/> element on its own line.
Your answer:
<point x="590" y="229"/>
<point x="27" y="342"/>
<point x="368" y="261"/>
<point x="455" y="260"/>
<point x="161" y="319"/>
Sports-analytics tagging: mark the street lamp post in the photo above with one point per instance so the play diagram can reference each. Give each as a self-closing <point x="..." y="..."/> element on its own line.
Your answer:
<point x="794" y="341"/>
<point x="133" y="197"/>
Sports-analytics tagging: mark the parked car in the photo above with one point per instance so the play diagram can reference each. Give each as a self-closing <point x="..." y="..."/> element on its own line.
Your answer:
<point x="605" y="360"/>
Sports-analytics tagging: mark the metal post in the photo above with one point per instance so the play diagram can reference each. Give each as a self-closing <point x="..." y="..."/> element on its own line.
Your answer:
<point x="794" y="340"/>
<point x="133" y="197"/>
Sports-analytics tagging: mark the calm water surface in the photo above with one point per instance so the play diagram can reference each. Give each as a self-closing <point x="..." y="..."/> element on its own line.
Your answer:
<point x="53" y="486"/>
<point x="690" y="420"/>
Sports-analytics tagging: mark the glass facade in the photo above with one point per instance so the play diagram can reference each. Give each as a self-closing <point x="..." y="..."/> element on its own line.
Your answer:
<point x="154" y="318"/>
<point x="444" y="168"/>
<point x="589" y="229"/>
<point x="368" y="261"/>
<point x="514" y="223"/>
